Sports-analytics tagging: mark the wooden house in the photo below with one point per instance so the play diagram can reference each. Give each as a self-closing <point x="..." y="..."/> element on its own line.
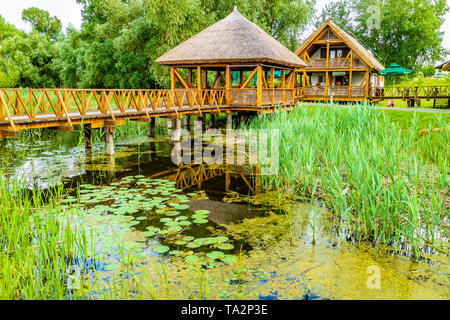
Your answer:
<point x="338" y="66"/>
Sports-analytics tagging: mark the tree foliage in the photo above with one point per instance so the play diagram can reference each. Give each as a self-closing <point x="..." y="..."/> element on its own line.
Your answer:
<point x="27" y="60"/>
<point x="406" y="32"/>
<point x="42" y="22"/>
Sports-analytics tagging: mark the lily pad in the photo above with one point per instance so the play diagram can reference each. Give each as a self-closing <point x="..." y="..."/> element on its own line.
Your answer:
<point x="225" y="246"/>
<point x="202" y="212"/>
<point x="161" y="249"/>
<point x="216" y="255"/>
<point x="175" y="229"/>
<point x="200" y="221"/>
<point x="228" y="258"/>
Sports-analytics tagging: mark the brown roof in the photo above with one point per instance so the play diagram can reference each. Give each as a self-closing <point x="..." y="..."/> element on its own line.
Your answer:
<point x="445" y="66"/>
<point x="231" y="40"/>
<point x="362" y="52"/>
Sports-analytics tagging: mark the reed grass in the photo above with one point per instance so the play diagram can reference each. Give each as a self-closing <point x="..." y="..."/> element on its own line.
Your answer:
<point x="38" y="245"/>
<point x="386" y="182"/>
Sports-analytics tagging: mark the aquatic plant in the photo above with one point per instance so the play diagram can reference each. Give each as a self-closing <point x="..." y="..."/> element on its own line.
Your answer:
<point x="385" y="183"/>
<point x="38" y="245"/>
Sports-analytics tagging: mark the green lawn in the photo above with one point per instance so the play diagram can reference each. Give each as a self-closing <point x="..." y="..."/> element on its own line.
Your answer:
<point x="425" y="120"/>
<point x="426" y="104"/>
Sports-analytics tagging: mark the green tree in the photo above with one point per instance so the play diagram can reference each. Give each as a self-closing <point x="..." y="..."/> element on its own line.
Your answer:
<point x="340" y="12"/>
<point x="9" y="71"/>
<point x="42" y="22"/>
<point x="33" y="56"/>
<point x="120" y="39"/>
<point x="407" y="32"/>
<point x="428" y="71"/>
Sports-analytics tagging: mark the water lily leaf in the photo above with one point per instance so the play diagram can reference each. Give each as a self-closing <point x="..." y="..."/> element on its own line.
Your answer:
<point x="161" y="249"/>
<point x="193" y="245"/>
<point x="229" y="258"/>
<point x="225" y="246"/>
<point x="182" y="207"/>
<point x="175" y="229"/>
<point x="222" y="238"/>
<point x="202" y="212"/>
<point x="200" y="221"/>
<point x="216" y="255"/>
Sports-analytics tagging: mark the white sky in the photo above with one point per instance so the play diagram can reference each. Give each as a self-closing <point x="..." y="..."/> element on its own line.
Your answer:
<point x="68" y="11"/>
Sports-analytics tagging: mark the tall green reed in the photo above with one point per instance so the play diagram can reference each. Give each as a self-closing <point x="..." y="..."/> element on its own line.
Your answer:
<point x="386" y="184"/>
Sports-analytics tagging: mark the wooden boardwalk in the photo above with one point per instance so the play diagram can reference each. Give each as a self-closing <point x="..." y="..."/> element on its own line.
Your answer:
<point x="63" y="108"/>
<point x="22" y="109"/>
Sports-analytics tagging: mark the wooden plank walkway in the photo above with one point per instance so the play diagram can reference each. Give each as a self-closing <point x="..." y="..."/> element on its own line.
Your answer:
<point x="22" y="109"/>
<point x="63" y="108"/>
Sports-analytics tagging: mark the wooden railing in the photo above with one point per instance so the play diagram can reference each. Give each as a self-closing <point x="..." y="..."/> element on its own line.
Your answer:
<point x="405" y="92"/>
<point x="40" y="105"/>
<point x="336" y="91"/>
<point x="334" y="63"/>
<point x="316" y="63"/>
<point x="29" y="108"/>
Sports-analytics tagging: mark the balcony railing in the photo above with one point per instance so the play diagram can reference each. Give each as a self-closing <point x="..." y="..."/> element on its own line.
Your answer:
<point x="335" y="91"/>
<point x="334" y="63"/>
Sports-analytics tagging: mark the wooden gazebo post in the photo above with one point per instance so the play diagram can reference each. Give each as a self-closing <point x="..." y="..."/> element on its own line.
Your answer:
<point x="228" y="85"/>
<point x="259" y="75"/>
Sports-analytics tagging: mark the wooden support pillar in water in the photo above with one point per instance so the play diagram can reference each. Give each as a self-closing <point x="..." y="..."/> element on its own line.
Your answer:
<point x="169" y="123"/>
<point x="176" y="135"/>
<point x="211" y="120"/>
<point x="87" y="136"/>
<point x="199" y="124"/>
<point x="109" y="140"/>
<point x="229" y="120"/>
<point x="151" y="127"/>
<point x="187" y="122"/>
<point x="242" y="117"/>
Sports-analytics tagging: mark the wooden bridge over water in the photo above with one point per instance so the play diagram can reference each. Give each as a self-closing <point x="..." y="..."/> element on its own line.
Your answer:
<point x="62" y="109"/>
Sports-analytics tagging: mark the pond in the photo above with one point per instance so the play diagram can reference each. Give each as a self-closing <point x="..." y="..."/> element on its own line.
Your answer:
<point x="206" y="231"/>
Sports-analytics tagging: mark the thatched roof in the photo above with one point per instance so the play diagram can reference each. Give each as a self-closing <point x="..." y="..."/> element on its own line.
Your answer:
<point x="231" y="40"/>
<point x="357" y="48"/>
<point x="445" y="66"/>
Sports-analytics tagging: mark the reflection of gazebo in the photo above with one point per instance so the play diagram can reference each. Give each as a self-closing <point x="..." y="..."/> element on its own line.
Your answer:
<point x="234" y="45"/>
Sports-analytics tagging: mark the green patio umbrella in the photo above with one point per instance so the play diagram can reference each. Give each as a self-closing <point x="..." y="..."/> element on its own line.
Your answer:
<point x="394" y="70"/>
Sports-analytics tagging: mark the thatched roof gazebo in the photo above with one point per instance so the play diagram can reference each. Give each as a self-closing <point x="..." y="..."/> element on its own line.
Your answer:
<point x="234" y="44"/>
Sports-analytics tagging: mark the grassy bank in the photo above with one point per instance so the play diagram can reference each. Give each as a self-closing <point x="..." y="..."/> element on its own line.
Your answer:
<point x="386" y="181"/>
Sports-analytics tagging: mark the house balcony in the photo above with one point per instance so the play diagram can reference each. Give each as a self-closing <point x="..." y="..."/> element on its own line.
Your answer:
<point x="338" y="63"/>
<point x="335" y="91"/>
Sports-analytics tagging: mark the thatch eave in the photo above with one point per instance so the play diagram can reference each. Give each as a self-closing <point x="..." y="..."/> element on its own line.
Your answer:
<point x="231" y="40"/>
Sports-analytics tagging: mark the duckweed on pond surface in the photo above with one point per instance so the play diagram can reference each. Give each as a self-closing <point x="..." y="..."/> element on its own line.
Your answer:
<point x="153" y="239"/>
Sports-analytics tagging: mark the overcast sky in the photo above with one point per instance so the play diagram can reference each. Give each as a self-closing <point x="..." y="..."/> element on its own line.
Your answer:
<point x="68" y="11"/>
